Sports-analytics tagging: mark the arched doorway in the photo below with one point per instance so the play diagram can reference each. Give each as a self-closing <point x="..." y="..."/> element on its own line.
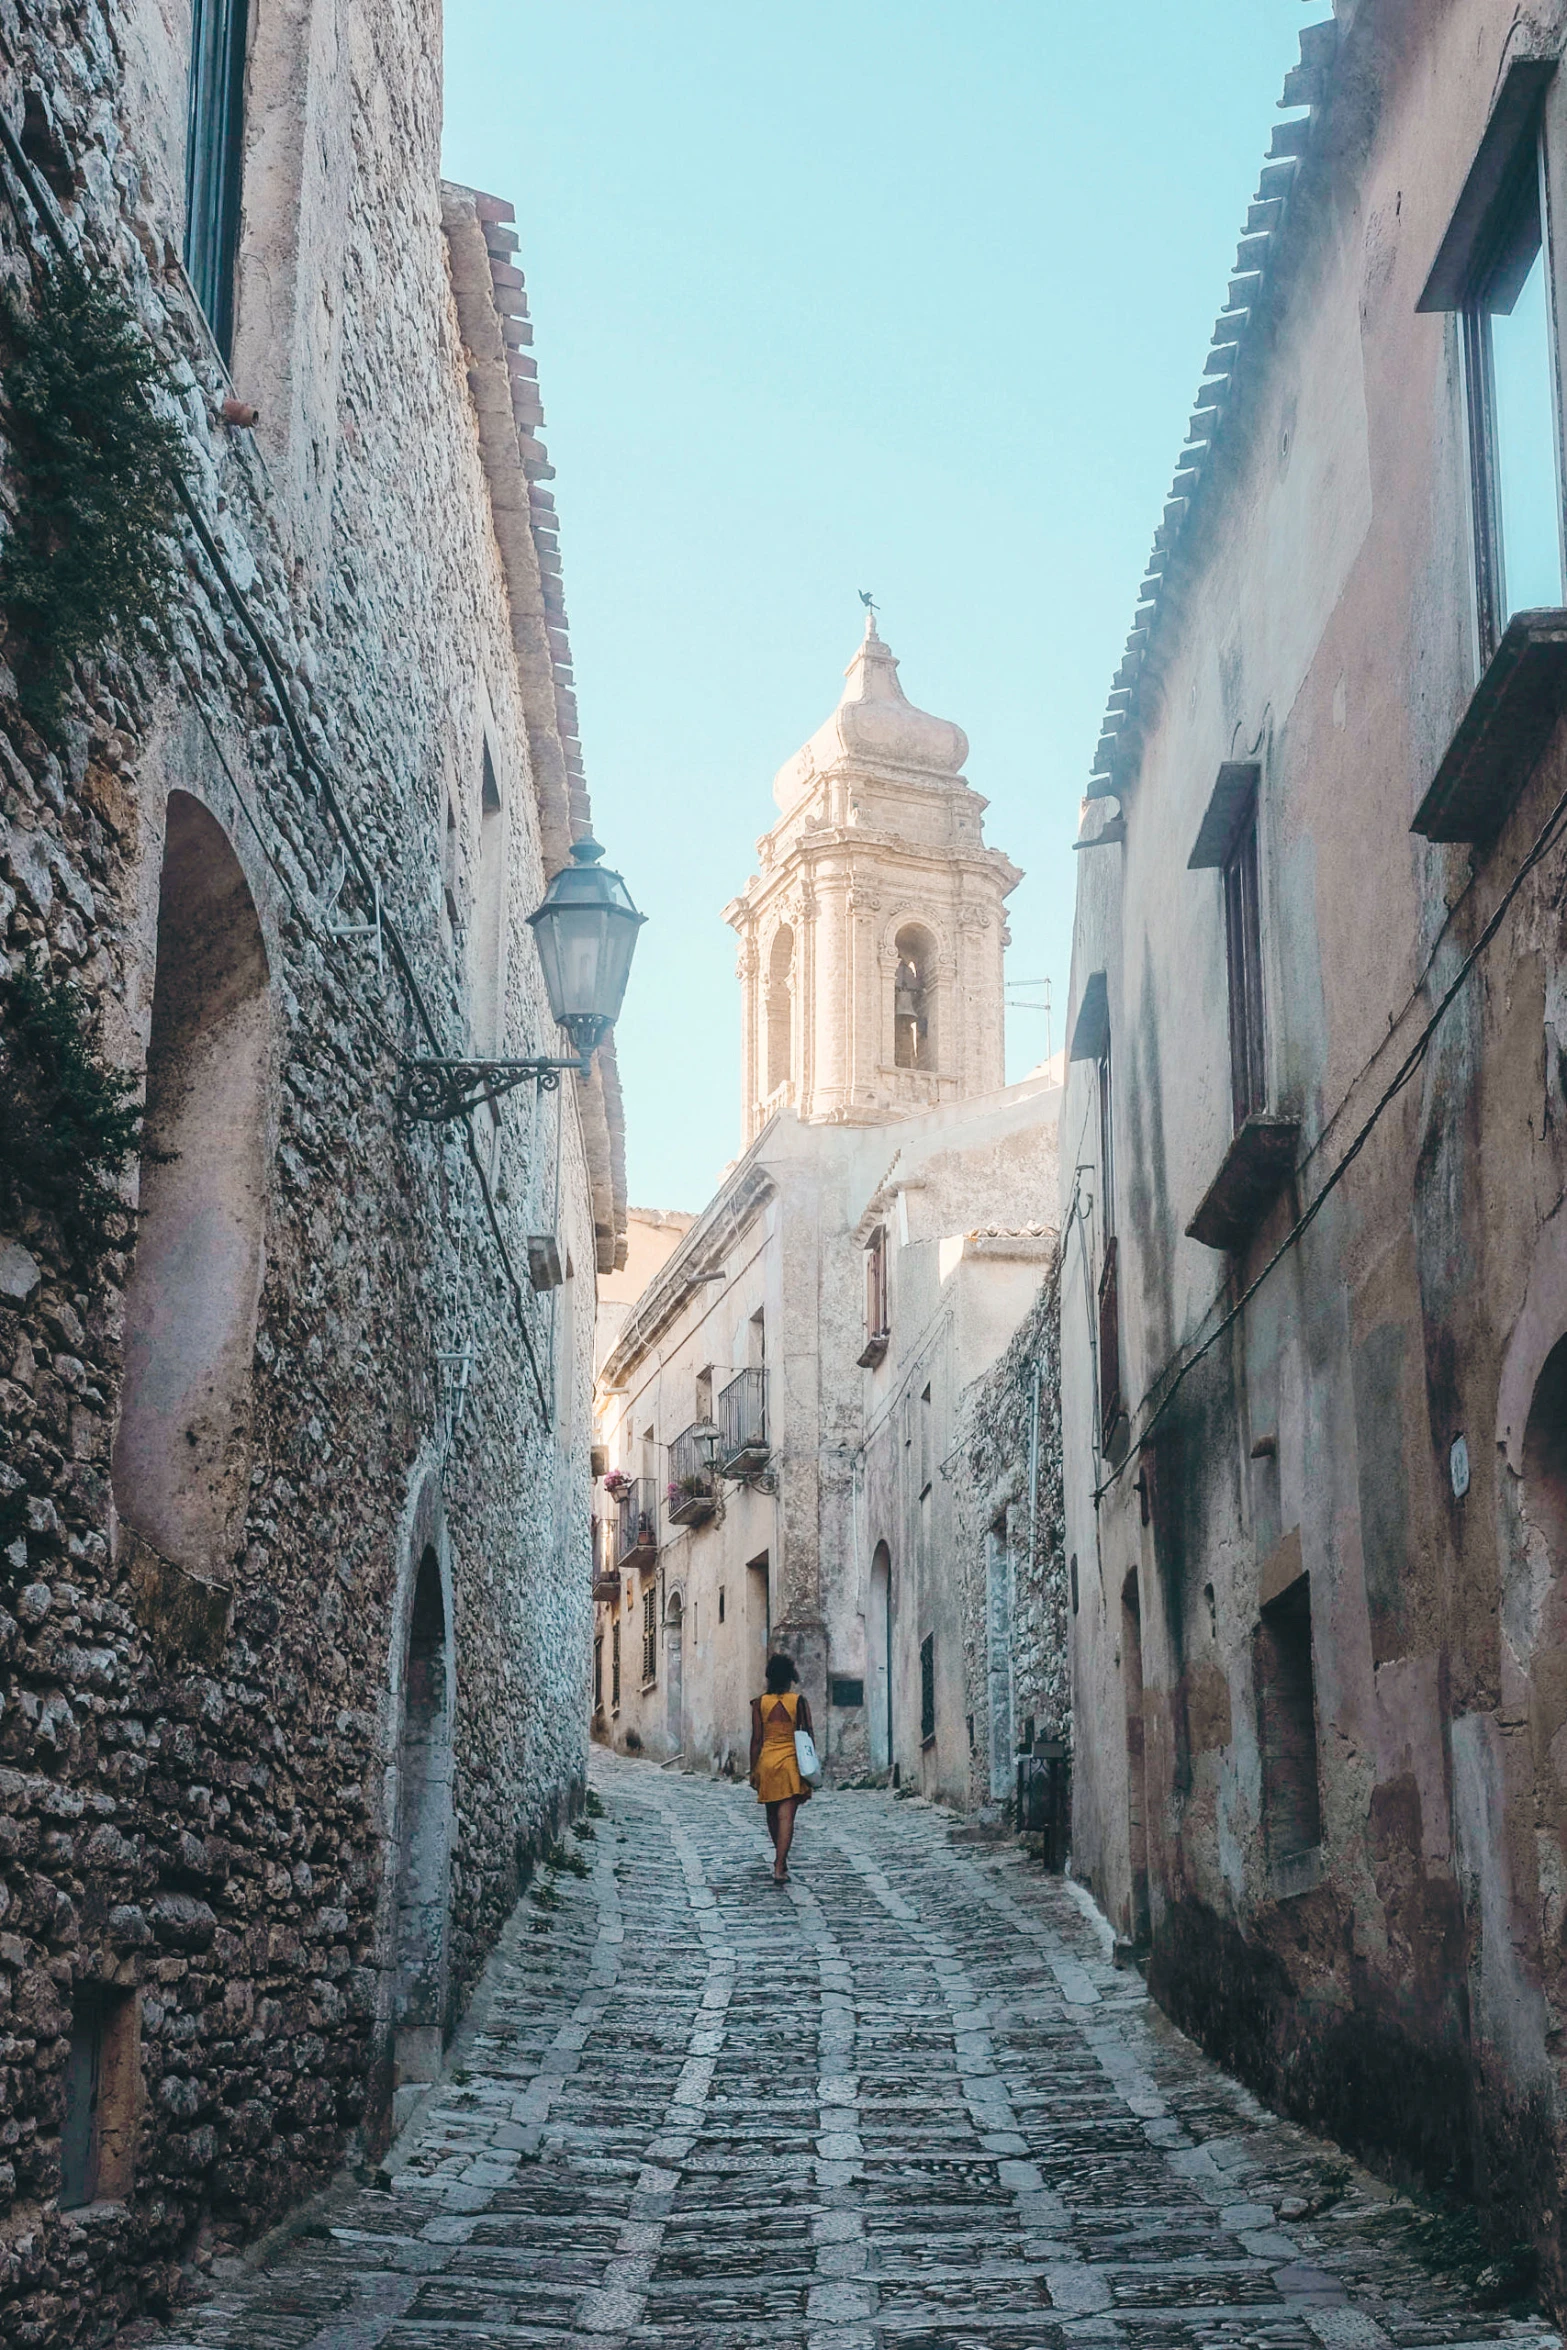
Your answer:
<point x="674" y="1671"/>
<point x="181" y="1452"/>
<point x="1136" y="1742"/>
<point x="1534" y="1625"/>
<point x="424" y="1831"/>
<point x="878" y="1660"/>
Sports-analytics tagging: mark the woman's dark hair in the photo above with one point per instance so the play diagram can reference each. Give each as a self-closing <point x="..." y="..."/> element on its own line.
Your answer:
<point x="781" y="1675"/>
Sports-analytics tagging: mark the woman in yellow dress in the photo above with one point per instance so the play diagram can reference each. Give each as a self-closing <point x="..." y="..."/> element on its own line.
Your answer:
<point x="775" y="1716"/>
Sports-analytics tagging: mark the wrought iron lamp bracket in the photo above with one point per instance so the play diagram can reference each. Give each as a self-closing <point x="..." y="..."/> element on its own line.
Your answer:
<point x="434" y="1092"/>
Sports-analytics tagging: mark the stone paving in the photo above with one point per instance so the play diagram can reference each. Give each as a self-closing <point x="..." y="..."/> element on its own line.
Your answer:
<point x="904" y="2102"/>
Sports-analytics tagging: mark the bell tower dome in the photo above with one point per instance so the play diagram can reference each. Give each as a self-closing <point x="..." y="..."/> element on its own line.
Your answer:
<point x="871" y="941"/>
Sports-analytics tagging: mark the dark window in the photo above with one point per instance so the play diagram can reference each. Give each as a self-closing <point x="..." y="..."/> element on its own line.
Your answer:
<point x="614" y="1665"/>
<point x="1509" y="374"/>
<point x="928" y="1690"/>
<point x="1106" y="1142"/>
<point x="650" y="1635"/>
<point x="1110" y="1405"/>
<point x="1072" y="1579"/>
<point x="843" y="1691"/>
<point x="1287" y="1700"/>
<point x="598" y="1674"/>
<point x="98" y="2116"/>
<point x="876" y="1325"/>
<point x="214" y="158"/>
<point x="720" y="1603"/>
<point x="1243" y="949"/>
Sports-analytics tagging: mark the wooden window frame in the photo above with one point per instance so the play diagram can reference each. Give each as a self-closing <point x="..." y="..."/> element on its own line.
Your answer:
<point x="1472" y="254"/>
<point x="877" y="1327"/>
<point x="215" y="158"/>
<point x="1495" y="264"/>
<point x="1242" y="877"/>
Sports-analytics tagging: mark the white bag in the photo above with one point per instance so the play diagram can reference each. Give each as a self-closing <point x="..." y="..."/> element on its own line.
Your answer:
<point x="806" y="1759"/>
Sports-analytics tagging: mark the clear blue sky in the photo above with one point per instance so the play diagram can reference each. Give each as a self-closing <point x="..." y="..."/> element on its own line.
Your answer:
<point x="902" y="294"/>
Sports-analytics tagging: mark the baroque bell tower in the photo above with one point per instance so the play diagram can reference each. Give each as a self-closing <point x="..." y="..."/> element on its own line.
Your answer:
<point x="871" y="940"/>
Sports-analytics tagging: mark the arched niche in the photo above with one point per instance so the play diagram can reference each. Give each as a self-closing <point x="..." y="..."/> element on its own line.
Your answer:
<point x="674" y="1669"/>
<point x="780" y="1008"/>
<point x="914" y="999"/>
<point x="424" y="1830"/>
<point x="182" y="1448"/>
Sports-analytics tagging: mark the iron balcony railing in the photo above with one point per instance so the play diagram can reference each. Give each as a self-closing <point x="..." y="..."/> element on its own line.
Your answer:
<point x="742" y="1421"/>
<point x="693" y="1481"/>
<point x="637" y="1504"/>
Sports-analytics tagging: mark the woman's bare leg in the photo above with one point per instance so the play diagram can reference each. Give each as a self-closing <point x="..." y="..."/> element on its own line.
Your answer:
<point x="785" y="1836"/>
<point x="772" y="1824"/>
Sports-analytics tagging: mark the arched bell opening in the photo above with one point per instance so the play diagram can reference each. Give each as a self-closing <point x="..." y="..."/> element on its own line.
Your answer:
<point x="914" y="999"/>
<point x="780" y="1009"/>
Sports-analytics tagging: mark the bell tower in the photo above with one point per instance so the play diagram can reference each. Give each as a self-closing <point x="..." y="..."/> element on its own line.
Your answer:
<point x="871" y="941"/>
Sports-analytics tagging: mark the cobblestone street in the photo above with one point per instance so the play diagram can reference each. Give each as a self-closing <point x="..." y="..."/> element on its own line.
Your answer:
<point x="905" y="2101"/>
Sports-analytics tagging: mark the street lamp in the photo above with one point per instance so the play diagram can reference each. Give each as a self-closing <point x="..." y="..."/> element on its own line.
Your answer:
<point x="586" y="931"/>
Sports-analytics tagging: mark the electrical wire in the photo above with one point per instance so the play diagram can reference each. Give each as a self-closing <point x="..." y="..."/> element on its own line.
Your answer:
<point x="1543" y="842"/>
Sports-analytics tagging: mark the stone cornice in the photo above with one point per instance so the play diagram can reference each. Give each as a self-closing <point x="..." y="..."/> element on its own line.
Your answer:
<point x="492" y="316"/>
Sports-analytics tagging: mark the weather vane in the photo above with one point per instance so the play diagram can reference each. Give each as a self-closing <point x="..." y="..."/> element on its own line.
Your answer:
<point x="867" y="599"/>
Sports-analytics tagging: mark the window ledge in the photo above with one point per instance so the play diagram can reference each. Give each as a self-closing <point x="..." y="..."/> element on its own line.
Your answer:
<point x="875" y="1350"/>
<point x="1257" y="1166"/>
<point x="1501" y="735"/>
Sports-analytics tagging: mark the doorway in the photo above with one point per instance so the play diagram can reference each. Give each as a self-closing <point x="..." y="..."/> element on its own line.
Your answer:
<point x="424" y="1779"/>
<point x="674" y="1672"/>
<point x="878" y="1660"/>
<point x="758" y="1623"/>
<point x="1136" y="1787"/>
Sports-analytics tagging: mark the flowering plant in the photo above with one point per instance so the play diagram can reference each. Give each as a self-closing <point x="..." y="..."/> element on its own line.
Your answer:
<point x="615" y="1481"/>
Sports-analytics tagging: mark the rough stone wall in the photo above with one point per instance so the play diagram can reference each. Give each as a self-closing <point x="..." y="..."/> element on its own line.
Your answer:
<point x="1010" y="1426"/>
<point x="202" y="1798"/>
<point x="1319" y="1659"/>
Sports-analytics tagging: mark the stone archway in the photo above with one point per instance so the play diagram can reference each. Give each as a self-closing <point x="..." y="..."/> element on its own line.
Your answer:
<point x="424" y="1831"/>
<point x="674" y="1672"/>
<point x="878" y="1660"/>
<point x="181" y="1451"/>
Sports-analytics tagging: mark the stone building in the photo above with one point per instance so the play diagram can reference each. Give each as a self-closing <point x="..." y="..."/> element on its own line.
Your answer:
<point x="1313" y="1411"/>
<point x="779" y="1409"/>
<point x="293" y="1456"/>
<point x="1005" y="1475"/>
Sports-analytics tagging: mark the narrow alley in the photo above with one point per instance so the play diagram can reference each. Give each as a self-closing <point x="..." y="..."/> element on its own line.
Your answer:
<point x="907" y="2101"/>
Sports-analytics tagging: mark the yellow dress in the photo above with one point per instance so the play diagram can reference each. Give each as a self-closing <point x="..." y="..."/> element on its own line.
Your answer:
<point x="777" y="1772"/>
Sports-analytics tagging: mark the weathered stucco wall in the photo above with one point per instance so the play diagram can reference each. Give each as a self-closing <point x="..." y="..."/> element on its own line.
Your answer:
<point x="279" y="1740"/>
<point x="1400" y="1981"/>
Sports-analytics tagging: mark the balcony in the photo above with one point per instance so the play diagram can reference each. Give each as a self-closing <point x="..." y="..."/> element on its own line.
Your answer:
<point x="636" y="1530"/>
<point x="742" y="1421"/>
<point x="606" y="1582"/>
<point x="693" y="1481"/>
